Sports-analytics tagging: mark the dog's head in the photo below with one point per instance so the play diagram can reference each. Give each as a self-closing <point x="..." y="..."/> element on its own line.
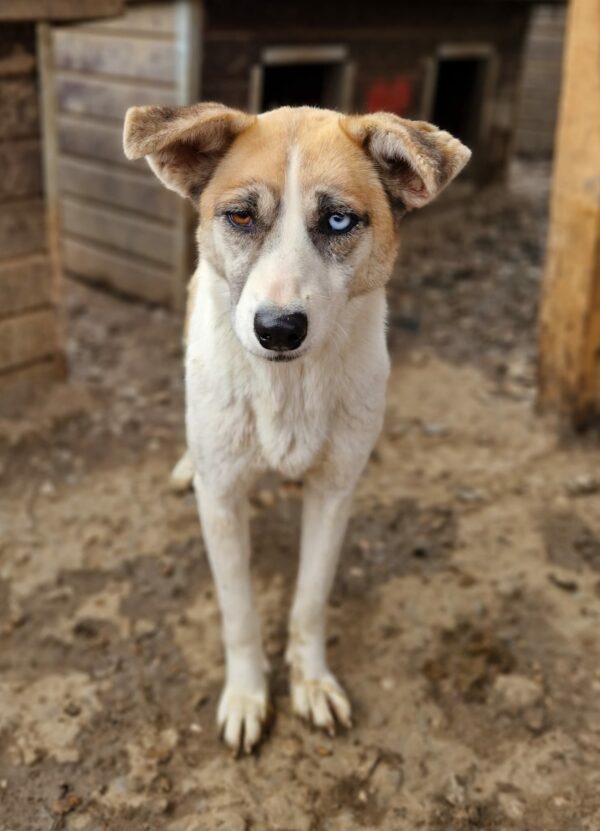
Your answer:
<point x="298" y="207"/>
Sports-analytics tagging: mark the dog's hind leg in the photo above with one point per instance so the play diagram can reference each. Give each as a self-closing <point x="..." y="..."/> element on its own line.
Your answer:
<point x="244" y="702"/>
<point x="182" y="475"/>
<point x="316" y="694"/>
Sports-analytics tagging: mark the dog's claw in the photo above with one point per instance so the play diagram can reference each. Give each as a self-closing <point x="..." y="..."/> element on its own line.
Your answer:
<point x="321" y="701"/>
<point x="241" y="719"/>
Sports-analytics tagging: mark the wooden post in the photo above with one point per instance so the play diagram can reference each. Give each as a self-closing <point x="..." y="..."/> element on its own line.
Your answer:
<point x="569" y="359"/>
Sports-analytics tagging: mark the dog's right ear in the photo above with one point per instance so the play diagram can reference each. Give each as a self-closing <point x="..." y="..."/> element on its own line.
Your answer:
<point x="183" y="145"/>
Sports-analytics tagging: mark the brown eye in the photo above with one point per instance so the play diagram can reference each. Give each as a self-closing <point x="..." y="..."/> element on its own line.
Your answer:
<point x="241" y="219"/>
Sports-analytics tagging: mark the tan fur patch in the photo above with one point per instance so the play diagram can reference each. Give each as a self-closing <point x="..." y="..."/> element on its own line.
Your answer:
<point x="377" y="163"/>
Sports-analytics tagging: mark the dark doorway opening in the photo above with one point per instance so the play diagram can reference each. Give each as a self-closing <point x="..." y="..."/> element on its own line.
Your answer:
<point x="298" y="84"/>
<point x="458" y="97"/>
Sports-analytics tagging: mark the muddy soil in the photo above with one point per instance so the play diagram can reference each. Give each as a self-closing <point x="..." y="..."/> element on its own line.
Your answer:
<point x="465" y="618"/>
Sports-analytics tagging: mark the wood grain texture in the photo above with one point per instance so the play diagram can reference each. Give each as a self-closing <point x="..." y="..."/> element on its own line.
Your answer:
<point x="22" y="228"/>
<point x="27" y="338"/>
<point x="146" y="19"/>
<point x="569" y="352"/>
<point x="540" y="85"/>
<point x="20" y="385"/>
<point x="118" y="271"/>
<point x="94" y="140"/>
<point x="21" y="166"/>
<point x="116" y="186"/>
<point x="34" y="10"/>
<point x="134" y="235"/>
<point x="106" y="98"/>
<point x="85" y="51"/>
<point x="25" y="283"/>
<point x="19" y="111"/>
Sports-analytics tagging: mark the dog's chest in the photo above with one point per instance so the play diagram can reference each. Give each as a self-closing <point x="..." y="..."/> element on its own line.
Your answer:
<point x="293" y="414"/>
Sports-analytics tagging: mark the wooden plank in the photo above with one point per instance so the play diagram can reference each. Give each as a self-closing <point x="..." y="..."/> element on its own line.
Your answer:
<point x="19" y="114"/>
<point x="58" y="9"/>
<point x="25" y="283"/>
<point x="50" y="153"/>
<point x="117" y="187"/>
<point x="115" y="229"/>
<point x="27" y="338"/>
<point x="93" y="140"/>
<point x="146" y="60"/>
<point x="19" y="384"/>
<point x="121" y="272"/>
<point x="147" y="18"/>
<point x="106" y="98"/>
<point x="21" y="166"/>
<point x="569" y="354"/>
<point x="22" y="228"/>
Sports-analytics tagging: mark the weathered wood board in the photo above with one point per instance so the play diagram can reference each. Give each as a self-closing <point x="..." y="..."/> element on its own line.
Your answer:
<point x="569" y="355"/>
<point x="37" y="10"/>
<point x="540" y="86"/>
<point x="27" y="338"/>
<point x="120" y="271"/>
<point x="122" y="188"/>
<point x="25" y="284"/>
<point x="118" y="225"/>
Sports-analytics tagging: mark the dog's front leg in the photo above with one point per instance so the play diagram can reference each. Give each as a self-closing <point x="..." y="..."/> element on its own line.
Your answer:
<point x="244" y="701"/>
<point x="316" y="694"/>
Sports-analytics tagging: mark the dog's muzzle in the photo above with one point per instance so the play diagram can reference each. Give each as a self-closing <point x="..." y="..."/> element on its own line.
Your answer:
<point x="280" y="332"/>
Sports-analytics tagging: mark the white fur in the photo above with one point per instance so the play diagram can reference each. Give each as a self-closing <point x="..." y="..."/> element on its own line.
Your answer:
<point x="316" y="417"/>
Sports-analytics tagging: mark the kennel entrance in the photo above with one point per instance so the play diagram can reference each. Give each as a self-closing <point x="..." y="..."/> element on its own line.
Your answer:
<point x="457" y="89"/>
<point x="301" y="76"/>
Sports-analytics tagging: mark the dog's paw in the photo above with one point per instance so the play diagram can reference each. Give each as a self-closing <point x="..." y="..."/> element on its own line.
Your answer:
<point x="321" y="701"/>
<point x="242" y="717"/>
<point x="182" y="475"/>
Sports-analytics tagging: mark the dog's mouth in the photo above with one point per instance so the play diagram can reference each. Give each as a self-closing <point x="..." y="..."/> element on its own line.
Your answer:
<point x="284" y="357"/>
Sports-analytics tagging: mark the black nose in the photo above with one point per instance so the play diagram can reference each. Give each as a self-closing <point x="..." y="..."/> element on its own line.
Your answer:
<point x="280" y="332"/>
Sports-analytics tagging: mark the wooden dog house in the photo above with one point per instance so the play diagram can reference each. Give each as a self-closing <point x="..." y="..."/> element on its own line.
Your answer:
<point x="458" y="64"/>
<point x="31" y="348"/>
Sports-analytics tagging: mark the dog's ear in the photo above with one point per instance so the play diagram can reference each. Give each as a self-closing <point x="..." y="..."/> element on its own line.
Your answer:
<point x="183" y="145"/>
<point x="414" y="159"/>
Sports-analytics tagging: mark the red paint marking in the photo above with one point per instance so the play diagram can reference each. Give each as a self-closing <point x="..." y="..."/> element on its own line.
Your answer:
<point x="393" y="96"/>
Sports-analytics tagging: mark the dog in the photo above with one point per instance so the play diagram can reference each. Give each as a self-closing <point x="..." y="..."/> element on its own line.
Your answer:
<point x="286" y="361"/>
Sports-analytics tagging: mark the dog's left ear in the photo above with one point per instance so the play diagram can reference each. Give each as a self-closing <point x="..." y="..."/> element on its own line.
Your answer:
<point x="414" y="159"/>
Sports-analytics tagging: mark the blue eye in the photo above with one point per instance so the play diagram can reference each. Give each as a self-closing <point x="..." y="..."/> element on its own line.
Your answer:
<point x="340" y="223"/>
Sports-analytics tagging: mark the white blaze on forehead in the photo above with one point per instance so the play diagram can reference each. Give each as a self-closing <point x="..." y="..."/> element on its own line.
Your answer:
<point x="290" y="256"/>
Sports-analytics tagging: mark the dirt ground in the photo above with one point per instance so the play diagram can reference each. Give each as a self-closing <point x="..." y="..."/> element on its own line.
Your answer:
<point x="464" y="622"/>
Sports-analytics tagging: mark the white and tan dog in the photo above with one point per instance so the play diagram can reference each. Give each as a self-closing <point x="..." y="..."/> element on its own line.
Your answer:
<point x="286" y="358"/>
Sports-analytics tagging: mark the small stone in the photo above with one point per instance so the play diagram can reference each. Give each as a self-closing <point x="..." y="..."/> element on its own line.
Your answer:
<point x="584" y="484"/>
<point x="513" y="694"/>
<point x="387" y="684"/>
<point x="470" y="495"/>
<point x="144" y="628"/>
<point x="72" y="709"/>
<point x="433" y="429"/>
<point x="511" y="806"/>
<point x="536" y="720"/>
<point x="47" y="489"/>
<point x="454" y="793"/>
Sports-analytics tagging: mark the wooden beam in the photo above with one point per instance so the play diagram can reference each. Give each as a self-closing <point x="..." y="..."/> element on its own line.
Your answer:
<point x="35" y="10"/>
<point x="569" y="357"/>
